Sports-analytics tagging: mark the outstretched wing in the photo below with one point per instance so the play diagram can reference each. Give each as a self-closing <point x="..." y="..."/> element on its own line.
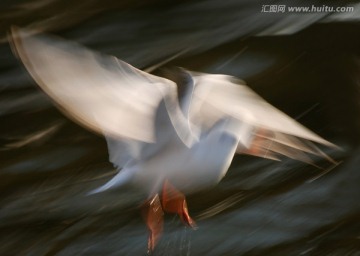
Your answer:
<point x="274" y="133"/>
<point x="93" y="88"/>
<point x="101" y="92"/>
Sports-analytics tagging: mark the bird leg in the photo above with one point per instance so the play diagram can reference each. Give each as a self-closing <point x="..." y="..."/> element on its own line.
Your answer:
<point x="174" y="201"/>
<point x="154" y="218"/>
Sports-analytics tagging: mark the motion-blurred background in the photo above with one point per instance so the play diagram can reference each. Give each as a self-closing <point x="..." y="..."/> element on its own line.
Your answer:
<point x="306" y="64"/>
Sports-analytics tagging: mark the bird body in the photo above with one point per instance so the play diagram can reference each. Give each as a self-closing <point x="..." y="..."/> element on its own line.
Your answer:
<point x="163" y="136"/>
<point x="190" y="169"/>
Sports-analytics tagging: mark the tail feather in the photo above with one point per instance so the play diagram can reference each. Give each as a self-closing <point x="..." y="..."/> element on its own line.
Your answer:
<point x="119" y="180"/>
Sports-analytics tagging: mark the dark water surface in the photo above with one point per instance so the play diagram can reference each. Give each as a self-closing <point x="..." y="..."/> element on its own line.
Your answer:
<point x="310" y="70"/>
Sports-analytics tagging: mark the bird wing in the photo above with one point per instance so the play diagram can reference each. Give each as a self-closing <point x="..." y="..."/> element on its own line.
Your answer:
<point x="274" y="133"/>
<point x="101" y="92"/>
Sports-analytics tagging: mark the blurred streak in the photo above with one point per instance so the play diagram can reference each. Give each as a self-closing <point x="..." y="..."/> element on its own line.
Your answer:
<point x="291" y="62"/>
<point x="54" y="14"/>
<point x="244" y="63"/>
<point x="307" y="111"/>
<point x="291" y="24"/>
<point x="34" y="137"/>
<point x="221" y="206"/>
<point x="158" y="65"/>
<point x="40" y="161"/>
<point x="28" y="102"/>
<point x="236" y="22"/>
<point x="14" y="79"/>
<point x="324" y="172"/>
<point x="33" y="6"/>
<point x="233" y="57"/>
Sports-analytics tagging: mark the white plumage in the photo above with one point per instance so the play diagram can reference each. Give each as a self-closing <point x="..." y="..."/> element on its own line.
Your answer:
<point x="153" y="133"/>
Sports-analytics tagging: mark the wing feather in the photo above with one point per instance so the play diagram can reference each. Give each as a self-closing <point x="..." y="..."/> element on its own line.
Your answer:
<point x="274" y="133"/>
<point x="104" y="94"/>
<point x="90" y="87"/>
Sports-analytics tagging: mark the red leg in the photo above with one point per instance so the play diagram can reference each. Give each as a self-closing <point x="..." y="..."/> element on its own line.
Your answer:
<point x="154" y="217"/>
<point x="174" y="201"/>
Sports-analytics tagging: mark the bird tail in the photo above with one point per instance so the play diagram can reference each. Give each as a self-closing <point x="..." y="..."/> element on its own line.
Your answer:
<point x="120" y="179"/>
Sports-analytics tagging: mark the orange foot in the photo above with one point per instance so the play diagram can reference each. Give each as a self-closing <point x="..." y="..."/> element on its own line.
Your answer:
<point x="174" y="201"/>
<point x="154" y="218"/>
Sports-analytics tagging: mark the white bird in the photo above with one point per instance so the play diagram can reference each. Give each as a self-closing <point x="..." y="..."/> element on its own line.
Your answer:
<point x="163" y="137"/>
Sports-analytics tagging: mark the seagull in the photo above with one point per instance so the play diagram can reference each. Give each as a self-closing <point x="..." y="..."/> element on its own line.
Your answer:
<point x="167" y="136"/>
